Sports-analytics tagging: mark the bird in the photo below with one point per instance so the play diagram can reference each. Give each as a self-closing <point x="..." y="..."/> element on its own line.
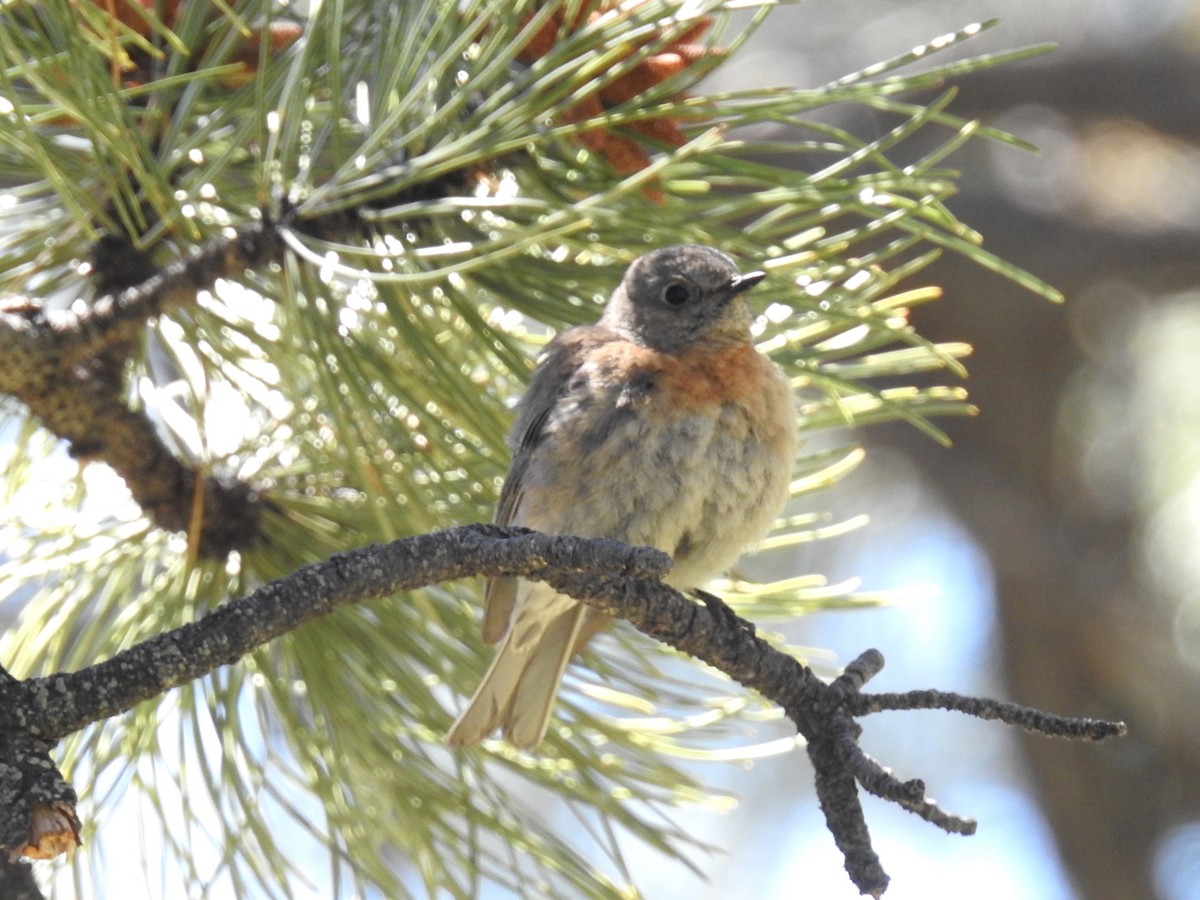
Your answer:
<point x="661" y="425"/>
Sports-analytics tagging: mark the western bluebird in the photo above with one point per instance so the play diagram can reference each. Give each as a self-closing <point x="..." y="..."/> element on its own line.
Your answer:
<point x="661" y="425"/>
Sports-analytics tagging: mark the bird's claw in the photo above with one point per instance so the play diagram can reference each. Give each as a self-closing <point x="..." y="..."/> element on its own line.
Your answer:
<point x="726" y="618"/>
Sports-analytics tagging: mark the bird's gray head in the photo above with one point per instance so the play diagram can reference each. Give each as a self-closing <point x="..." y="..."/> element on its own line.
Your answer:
<point x="671" y="298"/>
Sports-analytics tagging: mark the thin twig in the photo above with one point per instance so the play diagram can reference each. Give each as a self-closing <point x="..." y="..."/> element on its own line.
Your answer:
<point x="983" y="708"/>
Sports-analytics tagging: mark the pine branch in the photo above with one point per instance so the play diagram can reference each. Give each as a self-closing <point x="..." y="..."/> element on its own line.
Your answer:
<point x="613" y="577"/>
<point x="35" y="338"/>
<point x="60" y="364"/>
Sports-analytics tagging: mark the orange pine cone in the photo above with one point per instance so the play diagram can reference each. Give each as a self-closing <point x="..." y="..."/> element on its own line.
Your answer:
<point x="127" y="12"/>
<point x="623" y="152"/>
<point x="132" y="14"/>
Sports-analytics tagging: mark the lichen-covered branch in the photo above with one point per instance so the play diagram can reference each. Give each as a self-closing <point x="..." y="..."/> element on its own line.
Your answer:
<point x="616" y="578"/>
<point x="66" y="367"/>
<point x="35" y="339"/>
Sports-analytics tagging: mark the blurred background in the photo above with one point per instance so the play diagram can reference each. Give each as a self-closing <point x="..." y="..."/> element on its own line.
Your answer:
<point x="1060" y="534"/>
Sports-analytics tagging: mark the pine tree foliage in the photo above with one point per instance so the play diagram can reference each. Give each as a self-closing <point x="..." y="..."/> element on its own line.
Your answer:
<point x="443" y="212"/>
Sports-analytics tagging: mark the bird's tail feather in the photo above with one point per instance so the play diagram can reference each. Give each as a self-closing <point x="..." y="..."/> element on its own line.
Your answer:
<point x="517" y="694"/>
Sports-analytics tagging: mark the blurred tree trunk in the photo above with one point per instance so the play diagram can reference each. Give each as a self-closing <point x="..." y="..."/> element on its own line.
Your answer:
<point x="1080" y="629"/>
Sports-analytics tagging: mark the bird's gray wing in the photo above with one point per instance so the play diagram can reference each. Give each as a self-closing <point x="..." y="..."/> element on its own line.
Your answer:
<point x="551" y="382"/>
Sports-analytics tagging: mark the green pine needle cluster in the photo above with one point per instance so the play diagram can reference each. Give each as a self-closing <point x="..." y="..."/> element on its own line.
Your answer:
<point x="441" y="220"/>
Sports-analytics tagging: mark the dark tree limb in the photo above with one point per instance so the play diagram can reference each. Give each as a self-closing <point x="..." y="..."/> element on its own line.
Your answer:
<point x="34" y="338"/>
<point x="38" y="819"/>
<point x="16" y="881"/>
<point x="611" y="576"/>
<point x="66" y="367"/>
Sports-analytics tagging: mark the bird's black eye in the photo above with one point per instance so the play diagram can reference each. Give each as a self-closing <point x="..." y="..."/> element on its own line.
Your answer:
<point x="676" y="294"/>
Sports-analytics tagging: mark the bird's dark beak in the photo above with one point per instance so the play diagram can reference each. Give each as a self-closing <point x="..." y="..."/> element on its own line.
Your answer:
<point x="742" y="283"/>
